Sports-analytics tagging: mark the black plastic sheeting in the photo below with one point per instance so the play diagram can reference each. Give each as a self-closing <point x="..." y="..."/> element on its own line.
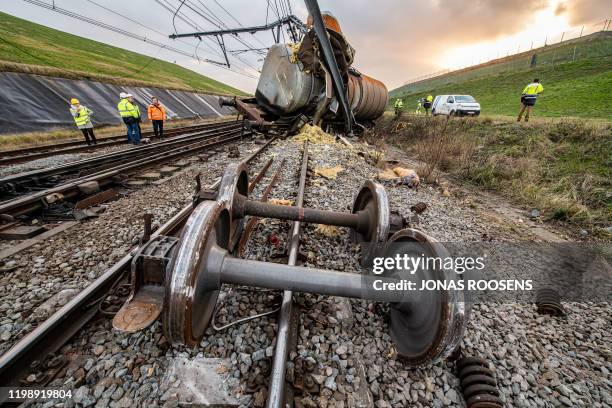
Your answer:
<point x="37" y="103"/>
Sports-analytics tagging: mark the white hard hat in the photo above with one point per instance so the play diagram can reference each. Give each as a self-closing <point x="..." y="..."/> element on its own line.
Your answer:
<point x="123" y="95"/>
<point x="129" y="95"/>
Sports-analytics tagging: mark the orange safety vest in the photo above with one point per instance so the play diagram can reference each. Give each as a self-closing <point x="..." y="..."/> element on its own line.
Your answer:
<point x="156" y="112"/>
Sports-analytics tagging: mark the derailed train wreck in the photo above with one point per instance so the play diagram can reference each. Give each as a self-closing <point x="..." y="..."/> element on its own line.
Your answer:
<point x="313" y="81"/>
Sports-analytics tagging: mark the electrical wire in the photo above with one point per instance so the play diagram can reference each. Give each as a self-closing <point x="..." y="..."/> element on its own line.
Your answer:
<point x="167" y="5"/>
<point x="238" y="22"/>
<point x="210" y="16"/>
<point x="174" y="16"/>
<point x="109" y="27"/>
<point x="121" y="31"/>
<point x="170" y="7"/>
<point x="161" y="34"/>
<point x="244" y="319"/>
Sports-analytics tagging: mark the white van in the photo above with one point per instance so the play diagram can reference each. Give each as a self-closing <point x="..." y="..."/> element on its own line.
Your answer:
<point x="455" y="105"/>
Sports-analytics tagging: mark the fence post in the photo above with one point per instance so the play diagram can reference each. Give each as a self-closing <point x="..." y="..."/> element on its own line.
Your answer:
<point x="574" y="57"/>
<point x="581" y="30"/>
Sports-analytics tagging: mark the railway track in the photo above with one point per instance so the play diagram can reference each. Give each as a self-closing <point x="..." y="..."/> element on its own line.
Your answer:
<point x="360" y="342"/>
<point x="15" y="156"/>
<point x="186" y="323"/>
<point x="51" y="334"/>
<point x="63" y="325"/>
<point x="105" y="169"/>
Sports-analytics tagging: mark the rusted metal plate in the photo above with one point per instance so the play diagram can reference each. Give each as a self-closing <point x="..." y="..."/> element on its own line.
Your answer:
<point x="140" y="311"/>
<point x="21" y="232"/>
<point x="12" y="250"/>
<point x="99" y="198"/>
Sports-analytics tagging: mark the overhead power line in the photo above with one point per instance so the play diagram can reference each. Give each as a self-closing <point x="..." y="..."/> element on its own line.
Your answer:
<point x="121" y="31"/>
<point x="172" y="9"/>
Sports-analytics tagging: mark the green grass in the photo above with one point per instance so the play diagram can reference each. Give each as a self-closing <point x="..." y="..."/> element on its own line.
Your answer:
<point x="563" y="168"/>
<point x="30" y="47"/>
<point x="571" y="89"/>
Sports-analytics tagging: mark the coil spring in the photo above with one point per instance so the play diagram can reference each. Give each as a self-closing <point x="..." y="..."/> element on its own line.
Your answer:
<point x="478" y="383"/>
<point x="419" y="207"/>
<point x="548" y="301"/>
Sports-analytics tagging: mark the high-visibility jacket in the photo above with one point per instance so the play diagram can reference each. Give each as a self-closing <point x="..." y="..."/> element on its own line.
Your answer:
<point x="399" y="103"/>
<point x="156" y="112"/>
<point x="128" y="109"/>
<point x="533" y="88"/>
<point x="82" y="117"/>
<point x="429" y="98"/>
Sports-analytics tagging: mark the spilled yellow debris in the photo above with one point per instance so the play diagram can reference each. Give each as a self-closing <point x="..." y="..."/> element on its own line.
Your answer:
<point x="314" y="134"/>
<point x="294" y="47"/>
<point x="400" y="174"/>
<point x="280" y="201"/>
<point x="327" y="230"/>
<point x="388" y="174"/>
<point x="330" y="173"/>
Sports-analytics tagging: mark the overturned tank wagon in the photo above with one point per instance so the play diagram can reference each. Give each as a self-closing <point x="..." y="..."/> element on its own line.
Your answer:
<point x="297" y="85"/>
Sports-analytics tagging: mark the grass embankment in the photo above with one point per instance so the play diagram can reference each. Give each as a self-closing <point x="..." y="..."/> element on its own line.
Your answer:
<point x="571" y="89"/>
<point x="33" y="48"/>
<point x="563" y="169"/>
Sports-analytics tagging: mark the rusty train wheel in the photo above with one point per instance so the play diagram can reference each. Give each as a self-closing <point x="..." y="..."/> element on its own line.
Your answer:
<point x="191" y="292"/>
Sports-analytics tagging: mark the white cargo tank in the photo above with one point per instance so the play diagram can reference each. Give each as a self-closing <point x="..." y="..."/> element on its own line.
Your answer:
<point x="283" y="86"/>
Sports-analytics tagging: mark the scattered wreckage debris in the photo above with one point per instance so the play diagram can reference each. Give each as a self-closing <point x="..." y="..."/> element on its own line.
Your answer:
<point x="330" y="173"/>
<point x="548" y="301"/>
<point x="419" y="208"/>
<point x="478" y="383"/>
<point x="400" y="176"/>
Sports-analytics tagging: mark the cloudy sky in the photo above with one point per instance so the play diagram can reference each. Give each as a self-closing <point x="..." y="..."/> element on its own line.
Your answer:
<point x="395" y="40"/>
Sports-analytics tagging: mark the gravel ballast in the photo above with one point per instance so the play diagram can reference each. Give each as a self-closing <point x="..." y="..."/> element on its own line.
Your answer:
<point x="344" y="354"/>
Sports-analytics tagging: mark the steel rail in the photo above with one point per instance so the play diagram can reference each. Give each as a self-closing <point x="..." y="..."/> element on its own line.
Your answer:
<point x="76" y="147"/>
<point x="250" y="226"/>
<point x="36" y="152"/>
<point x="276" y="395"/>
<point x="33" y="202"/>
<point x="112" y="157"/>
<point x="62" y="325"/>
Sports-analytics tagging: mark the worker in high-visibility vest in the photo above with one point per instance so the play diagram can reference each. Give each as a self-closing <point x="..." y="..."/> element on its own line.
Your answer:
<point x="82" y="117"/>
<point x="399" y="107"/>
<point x="157" y="115"/>
<point x="529" y="97"/>
<point x="130" y="114"/>
<point x="427" y="103"/>
<point x="419" y="106"/>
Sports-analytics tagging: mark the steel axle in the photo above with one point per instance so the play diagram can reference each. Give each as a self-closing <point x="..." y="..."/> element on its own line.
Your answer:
<point x="425" y="326"/>
<point x="370" y="220"/>
<point x="360" y="221"/>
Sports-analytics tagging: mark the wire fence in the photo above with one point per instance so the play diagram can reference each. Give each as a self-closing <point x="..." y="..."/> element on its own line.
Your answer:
<point x="582" y="42"/>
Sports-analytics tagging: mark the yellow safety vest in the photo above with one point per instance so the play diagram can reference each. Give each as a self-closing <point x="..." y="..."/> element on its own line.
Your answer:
<point x="82" y="117"/>
<point x="399" y="103"/>
<point x="127" y="109"/>
<point x="533" y="89"/>
<point x="429" y="98"/>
